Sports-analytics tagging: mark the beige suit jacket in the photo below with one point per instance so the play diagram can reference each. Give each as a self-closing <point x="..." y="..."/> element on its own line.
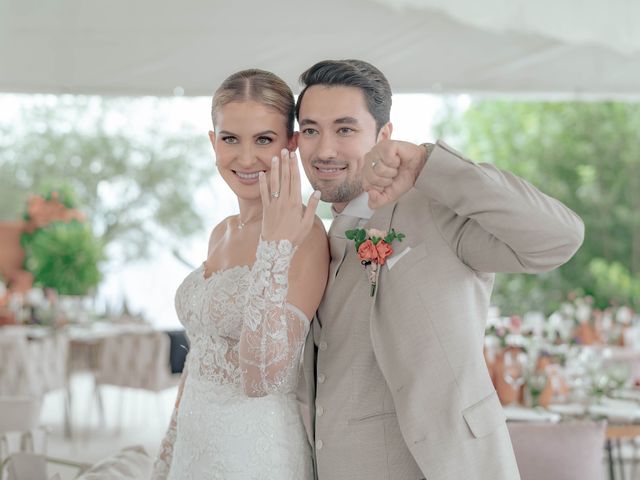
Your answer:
<point x="399" y="380"/>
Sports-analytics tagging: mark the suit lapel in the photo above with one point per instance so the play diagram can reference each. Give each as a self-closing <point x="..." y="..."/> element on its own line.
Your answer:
<point x="338" y="244"/>
<point x="338" y="252"/>
<point x="382" y="218"/>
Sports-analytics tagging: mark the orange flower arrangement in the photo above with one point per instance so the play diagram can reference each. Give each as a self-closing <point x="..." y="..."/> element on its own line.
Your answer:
<point x="42" y="211"/>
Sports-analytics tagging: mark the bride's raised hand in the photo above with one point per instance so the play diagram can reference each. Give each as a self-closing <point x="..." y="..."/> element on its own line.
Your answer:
<point x="283" y="215"/>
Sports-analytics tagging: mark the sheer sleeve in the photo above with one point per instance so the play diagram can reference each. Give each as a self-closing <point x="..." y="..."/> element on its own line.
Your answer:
<point x="273" y="331"/>
<point x="162" y="464"/>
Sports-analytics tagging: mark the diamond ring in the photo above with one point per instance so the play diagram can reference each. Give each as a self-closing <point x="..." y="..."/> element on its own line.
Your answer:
<point x="275" y="194"/>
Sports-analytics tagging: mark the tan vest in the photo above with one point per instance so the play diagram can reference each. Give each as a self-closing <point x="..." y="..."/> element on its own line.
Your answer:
<point x="356" y="429"/>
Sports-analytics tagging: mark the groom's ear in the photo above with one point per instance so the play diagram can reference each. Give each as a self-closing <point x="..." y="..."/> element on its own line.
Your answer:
<point x="293" y="142"/>
<point x="385" y="132"/>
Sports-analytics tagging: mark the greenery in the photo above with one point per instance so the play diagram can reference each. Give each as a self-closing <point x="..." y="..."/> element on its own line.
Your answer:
<point x="136" y="187"/>
<point x="586" y="154"/>
<point x="64" y="256"/>
<point x="359" y="236"/>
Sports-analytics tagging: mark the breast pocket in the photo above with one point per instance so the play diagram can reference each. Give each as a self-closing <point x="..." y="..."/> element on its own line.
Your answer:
<point x="409" y="257"/>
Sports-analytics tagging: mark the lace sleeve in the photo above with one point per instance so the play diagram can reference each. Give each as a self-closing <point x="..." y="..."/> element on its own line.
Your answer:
<point x="162" y="465"/>
<point x="273" y="331"/>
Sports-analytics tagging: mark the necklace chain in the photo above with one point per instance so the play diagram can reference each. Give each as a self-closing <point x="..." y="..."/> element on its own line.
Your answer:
<point x="242" y="224"/>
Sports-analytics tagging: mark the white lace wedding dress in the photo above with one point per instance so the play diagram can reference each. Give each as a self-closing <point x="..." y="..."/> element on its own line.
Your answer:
<point x="238" y="417"/>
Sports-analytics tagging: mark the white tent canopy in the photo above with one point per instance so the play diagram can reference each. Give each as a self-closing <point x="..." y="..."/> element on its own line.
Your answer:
<point x="571" y="48"/>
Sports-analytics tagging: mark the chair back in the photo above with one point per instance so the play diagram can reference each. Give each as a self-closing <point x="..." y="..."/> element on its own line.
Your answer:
<point x="559" y="451"/>
<point x="16" y="371"/>
<point x="50" y="356"/>
<point x="19" y="431"/>
<point x="136" y="360"/>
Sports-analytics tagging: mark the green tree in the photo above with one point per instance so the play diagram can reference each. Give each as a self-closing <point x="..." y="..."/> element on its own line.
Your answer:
<point x="586" y="154"/>
<point x="136" y="188"/>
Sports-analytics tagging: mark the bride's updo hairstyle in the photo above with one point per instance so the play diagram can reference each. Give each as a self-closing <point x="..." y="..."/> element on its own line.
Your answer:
<point x="260" y="86"/>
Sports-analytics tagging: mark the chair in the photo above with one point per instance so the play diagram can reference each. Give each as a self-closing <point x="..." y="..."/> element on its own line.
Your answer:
<point x="50" y="360"/>
<point x="138" y="360"/>
<point x="19" y="431"/>
<point x="33" y="366"/>
<point x="22" y="465"/>
<point x="49" y="356"/>
<point x="559" y="451"/>
<point x="16" y="369"/>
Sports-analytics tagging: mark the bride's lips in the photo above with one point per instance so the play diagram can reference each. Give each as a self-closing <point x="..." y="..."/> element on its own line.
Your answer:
<point x="247" y="178"/>
<point x="329" y="171"/>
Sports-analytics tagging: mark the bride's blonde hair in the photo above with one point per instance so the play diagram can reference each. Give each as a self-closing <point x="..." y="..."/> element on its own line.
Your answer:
<point x="260" y="86"/>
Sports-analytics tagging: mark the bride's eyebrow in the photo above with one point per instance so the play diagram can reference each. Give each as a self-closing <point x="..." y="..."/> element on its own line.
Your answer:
<point x="266" y="132"/>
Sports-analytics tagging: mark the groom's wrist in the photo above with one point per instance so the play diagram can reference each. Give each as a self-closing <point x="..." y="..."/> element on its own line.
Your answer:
<point x="424" y="150"/>
<point x="428" y="147"/>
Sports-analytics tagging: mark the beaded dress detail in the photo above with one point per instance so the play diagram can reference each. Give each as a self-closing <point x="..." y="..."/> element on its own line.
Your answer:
<point x="238" y="417"/>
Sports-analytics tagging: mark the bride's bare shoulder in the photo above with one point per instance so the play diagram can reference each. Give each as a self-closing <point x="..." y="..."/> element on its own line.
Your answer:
<point x="218" y="232"/>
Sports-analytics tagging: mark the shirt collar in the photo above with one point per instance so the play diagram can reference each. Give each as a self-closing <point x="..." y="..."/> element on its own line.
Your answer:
<point x="358" y="207"/>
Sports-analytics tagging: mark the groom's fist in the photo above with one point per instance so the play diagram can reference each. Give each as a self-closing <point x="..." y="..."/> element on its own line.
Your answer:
<point x="390" y="170"/>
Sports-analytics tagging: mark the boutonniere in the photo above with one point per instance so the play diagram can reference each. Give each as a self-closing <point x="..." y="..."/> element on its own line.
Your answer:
<point x="373" y="247"/>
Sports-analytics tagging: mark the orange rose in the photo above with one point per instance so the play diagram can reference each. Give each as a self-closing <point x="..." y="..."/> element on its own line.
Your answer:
<point x="368" y="251"/>
<point x="384" y="250"/>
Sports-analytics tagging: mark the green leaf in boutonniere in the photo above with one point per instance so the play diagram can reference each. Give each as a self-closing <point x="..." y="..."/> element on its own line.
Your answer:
<point x="351" y="234"/>
<point x="393" y="235"/>
<point x="358" y="235"/>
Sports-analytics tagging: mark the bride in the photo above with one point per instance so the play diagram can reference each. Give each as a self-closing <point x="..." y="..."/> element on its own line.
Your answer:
<point x="246" y="309"/>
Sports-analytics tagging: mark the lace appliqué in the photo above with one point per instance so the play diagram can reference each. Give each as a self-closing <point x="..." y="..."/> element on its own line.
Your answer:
<point x="273" y="331"/>
<point x="212" y="311"/>
<point x="162" y="465"/>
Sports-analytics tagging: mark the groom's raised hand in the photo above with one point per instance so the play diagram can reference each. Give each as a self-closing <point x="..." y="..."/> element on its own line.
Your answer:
<point x="390" y="170"/>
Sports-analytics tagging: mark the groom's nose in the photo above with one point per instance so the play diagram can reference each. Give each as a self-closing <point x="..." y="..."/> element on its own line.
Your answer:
<point x="327" y="148"/>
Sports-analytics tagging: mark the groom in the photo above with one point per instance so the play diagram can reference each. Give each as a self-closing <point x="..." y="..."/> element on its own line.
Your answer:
<point x="399" y="379"/>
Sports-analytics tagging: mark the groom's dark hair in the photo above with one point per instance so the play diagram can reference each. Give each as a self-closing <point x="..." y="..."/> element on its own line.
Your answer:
<point x="352" y="73"/>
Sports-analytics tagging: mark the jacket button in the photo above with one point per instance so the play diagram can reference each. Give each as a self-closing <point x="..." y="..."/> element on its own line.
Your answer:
<point x="322" y="346"/>
<point x="319" y="444"/>
<point x="321" y="378"/>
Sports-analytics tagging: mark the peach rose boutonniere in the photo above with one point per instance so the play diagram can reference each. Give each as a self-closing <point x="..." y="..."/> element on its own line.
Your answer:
<point x="373" y="247"/>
